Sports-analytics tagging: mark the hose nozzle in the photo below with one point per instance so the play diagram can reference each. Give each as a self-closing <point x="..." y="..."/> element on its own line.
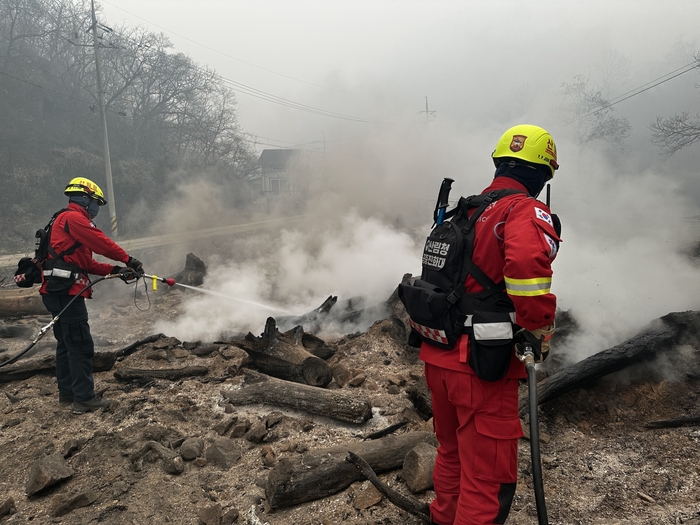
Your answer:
<point x="169" y="281"/>
<point x="525" y="353"/>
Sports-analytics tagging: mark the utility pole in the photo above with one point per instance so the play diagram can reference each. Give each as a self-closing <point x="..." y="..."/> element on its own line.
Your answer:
<point x="105" y="138"/>
<point x="427" y="111"/>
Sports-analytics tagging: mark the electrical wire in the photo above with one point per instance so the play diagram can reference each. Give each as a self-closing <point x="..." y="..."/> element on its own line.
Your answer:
<point x="257" y="93"/>
<point x="612" y="100"/>
<point x="120" y="112"/>
<point x="646" y="87"/>
<point x="230" y="56"/>
<point x="87" y="102"/>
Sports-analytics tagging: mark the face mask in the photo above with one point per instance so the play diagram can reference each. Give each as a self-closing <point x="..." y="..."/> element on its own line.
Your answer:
<point x="93" y="208"/>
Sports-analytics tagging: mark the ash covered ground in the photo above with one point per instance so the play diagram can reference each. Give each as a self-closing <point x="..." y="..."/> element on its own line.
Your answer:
<point x="600" y="464"/>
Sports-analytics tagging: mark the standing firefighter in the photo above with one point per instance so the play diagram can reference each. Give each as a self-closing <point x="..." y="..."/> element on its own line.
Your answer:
<point x="73" y="239"/>
<point x="507" y="241"/>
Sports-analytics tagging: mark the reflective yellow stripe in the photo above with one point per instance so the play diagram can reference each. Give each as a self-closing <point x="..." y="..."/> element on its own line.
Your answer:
<point x="528" y="287"/>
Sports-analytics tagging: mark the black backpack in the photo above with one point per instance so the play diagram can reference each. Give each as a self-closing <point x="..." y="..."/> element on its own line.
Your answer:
<point x="30" y="270"/>
<point x="438" y="306"/>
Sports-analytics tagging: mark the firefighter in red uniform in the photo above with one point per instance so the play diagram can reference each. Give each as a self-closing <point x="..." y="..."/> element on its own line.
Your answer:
<point x="476" y="421"/>
<point x="73" y="240"/>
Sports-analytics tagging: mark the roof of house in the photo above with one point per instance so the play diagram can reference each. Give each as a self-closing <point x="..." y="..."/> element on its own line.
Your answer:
<point x="276" y="158"/>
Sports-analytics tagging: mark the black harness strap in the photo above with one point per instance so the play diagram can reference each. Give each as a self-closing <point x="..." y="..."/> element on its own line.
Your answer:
<point x="481" y="202"/>
<point x="469" y="267"/>
<point x="49" y="226"/>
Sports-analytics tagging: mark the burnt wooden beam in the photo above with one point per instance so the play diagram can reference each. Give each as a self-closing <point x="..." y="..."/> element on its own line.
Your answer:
<point x="335" y="404"/>
<point x="16" y="302"/>
<point x="419" y="395"/>
<point x="46" y="364"/>
<point x="133" y="347"/>
<point x="284" y="356"/>
<point x="311" y="320"/>
<point x="386" y="431"/>
<point x="409" y="504"/>
<point x="193" y="273"/>
<point x="173" y="374"/>
<point x="321" y="473"/>
<point x="661" y="335"/>
<point x="674" y="423"/>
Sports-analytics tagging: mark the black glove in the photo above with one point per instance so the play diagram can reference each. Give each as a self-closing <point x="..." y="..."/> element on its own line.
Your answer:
<point x="125" y="274"/>
<point x="538" y="340"/>
<point x="135" y="265"/>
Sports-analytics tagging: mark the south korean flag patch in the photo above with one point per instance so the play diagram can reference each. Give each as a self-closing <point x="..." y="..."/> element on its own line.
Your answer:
<point x="544" y="216"/>
<point x="553" y="246"/>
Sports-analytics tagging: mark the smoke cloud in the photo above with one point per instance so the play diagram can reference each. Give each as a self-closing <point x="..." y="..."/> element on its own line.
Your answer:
<point x="623" y="261"/>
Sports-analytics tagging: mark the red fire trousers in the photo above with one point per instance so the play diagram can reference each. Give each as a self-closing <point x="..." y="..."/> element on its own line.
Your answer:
<point x="477" y="426"/>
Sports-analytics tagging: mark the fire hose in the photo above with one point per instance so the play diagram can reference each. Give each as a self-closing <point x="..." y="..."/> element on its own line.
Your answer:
<point x="154" y="278"/>
<point x="526" y="354"/>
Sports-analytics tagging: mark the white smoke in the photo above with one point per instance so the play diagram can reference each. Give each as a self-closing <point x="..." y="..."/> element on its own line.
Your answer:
<point x="353" y="257"/>
<point x="622" y="262"/>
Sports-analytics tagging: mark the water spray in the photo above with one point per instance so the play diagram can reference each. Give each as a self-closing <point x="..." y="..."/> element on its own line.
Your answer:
<point x="172" y="282"/>
<point x="131" y="279"/>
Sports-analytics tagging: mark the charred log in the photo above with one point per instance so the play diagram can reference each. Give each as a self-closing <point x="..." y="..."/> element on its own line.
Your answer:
<point x="133" y="347"/>
<point x="321" y="473"/>
<point x="661" y="335"/>
<point x="674" y="423"/>
<point x="331" y="403"/>
<point x="311" y="320"/>
<point x="194" y="272"/>
<point x="420" y="397"/>
<point x="173" y="374"/>
<point x="16" y="302"/>
<point x="409" y="504"/>
<point x="386" y="431"/>
<point x="15" y="331"/>
<point x="46" y="364"/>
<point x="284" y="355"/>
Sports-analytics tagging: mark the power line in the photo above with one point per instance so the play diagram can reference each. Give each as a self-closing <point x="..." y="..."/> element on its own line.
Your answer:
<point x="257" y="93"/>
<point x="89" y="104"/>
<point x="646" y="87"/>
<point x="275" y="140"/>
<point x="44" y="88"/>
<point x="120" y="112"/>
<point x="269" y="97"/>
<point x="659" y="78"/>
<point x="230" y="56"/>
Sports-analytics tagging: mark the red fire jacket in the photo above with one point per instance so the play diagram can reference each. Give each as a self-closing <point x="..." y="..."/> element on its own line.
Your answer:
<point x="75" y="225"/>
<point x="515" y="241"/>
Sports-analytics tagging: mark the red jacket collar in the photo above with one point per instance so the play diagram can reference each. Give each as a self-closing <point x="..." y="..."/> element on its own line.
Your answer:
<point x="77" y="207"/>
<point x="500" y="183"/>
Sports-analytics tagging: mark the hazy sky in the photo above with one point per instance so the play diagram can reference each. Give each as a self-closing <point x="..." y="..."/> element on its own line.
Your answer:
<point x="379" y="59"/>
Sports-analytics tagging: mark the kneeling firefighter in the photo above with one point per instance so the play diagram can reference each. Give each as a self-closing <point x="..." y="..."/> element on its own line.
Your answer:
<point x="73" y="238"/>
<point x="485" y="286"/>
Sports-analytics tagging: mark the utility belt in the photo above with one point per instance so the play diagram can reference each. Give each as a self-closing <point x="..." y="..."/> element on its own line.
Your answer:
<point x="60" y="275"/>
<point x="488" y="319"/>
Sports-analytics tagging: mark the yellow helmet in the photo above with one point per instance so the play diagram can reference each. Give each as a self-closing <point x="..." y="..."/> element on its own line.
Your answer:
<point x="528" y="143"/>
<point x="83" y="186"/>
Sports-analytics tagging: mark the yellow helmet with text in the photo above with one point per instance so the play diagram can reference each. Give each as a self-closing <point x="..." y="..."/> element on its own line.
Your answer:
<point x="528" y="143"/>
<point x="83" y="186"/>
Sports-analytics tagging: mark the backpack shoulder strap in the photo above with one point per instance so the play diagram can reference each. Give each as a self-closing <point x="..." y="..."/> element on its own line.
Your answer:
<point x="48" y="228"/>
<point x="480" y="202"/>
